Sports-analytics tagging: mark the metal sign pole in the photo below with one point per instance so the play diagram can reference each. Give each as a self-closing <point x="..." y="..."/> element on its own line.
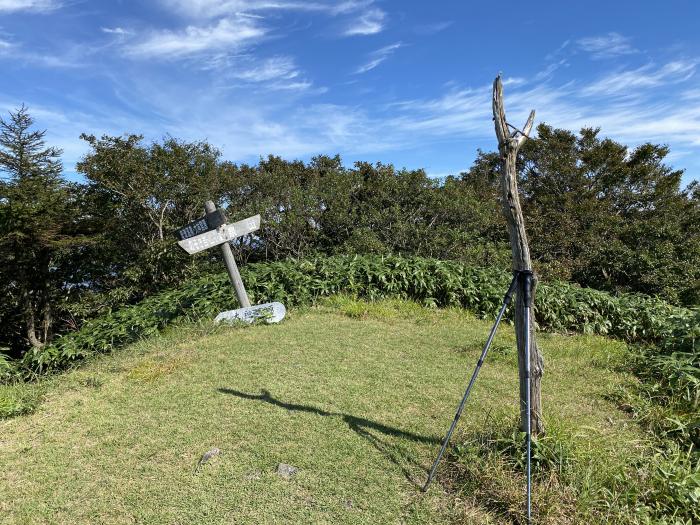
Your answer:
<point x="231" y="266"/>
<point x="527" y="304"/>
<point x="522" y="280"/>
<point x="506" y="301"/>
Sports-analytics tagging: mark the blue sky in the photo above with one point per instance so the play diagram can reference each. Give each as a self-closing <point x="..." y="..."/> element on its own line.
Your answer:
<point x="393" y="81"/>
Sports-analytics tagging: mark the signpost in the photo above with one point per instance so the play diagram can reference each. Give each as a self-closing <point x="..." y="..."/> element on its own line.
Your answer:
<point x="212" y="230"/>
<point x="210" y="221"/>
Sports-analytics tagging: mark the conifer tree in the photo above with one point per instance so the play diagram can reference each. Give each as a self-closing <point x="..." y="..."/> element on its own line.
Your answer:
<point x="36" y="229"/>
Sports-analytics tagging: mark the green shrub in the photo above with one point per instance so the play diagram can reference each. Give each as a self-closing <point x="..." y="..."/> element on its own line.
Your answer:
<point x="666" y="400"/>
<point x="571" y="482"/>
<point x="670" y="492"/>
<point x="8" y="368"/>
<point x="559" y="306"/>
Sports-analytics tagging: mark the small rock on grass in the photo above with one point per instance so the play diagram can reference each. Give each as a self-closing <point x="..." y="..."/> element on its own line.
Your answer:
<point x="286" y="471"/>
<point x="207" y="456"/>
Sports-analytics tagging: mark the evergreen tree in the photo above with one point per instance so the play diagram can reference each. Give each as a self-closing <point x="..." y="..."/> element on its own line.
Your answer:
<point x="605" y="215"/>
<point x="36" y="230"/>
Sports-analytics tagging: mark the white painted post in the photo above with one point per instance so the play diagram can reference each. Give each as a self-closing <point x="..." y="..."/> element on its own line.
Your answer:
<point x="231" y="266"/>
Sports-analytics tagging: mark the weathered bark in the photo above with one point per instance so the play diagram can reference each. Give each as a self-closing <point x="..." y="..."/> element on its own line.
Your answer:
<point x="508" y="146"/>
<point x="31" y="331"/>
<point x="36" y="305"/>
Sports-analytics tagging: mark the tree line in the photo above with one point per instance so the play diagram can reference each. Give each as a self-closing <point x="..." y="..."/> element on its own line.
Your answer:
<point x="598" y="213"/>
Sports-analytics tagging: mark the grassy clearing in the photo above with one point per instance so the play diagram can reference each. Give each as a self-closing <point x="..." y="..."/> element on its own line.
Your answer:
<point x="355" y="395"/>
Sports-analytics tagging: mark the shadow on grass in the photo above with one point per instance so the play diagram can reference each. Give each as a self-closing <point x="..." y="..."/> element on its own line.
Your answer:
<point x="361" y="426"/>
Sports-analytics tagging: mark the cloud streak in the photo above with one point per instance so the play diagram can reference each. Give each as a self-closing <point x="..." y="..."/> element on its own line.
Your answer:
<point x="207" y="9"/>
<point x="278" y="73"/>
<point x="115" y="31"/>
<point x="629" y="82"/>
<point x="606" y="46"/>
<point x="377" y="57"/>
<point x="29" y="6"/>
<point x="226" y="34"/>
<point x="271" y="69"/>
<point x="370" y="22"/>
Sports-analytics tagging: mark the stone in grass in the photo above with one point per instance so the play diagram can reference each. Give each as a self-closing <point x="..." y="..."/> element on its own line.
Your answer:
<point x="207" y="456"/>
<point x="285" y="471"/>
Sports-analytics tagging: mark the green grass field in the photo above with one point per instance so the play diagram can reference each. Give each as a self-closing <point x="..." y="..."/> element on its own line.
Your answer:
<point x="357" y="396"/>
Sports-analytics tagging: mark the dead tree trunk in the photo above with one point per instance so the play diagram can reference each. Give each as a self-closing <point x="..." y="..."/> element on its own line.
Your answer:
<point x="508" y="145"/>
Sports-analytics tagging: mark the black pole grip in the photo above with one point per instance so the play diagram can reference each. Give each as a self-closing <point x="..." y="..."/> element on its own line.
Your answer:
<point x="511" y="289"/>
<point x="527" y="277"/>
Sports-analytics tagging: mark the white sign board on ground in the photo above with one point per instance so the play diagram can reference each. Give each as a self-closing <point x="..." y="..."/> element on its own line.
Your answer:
<point x="222" y="234"/>
<point x="268" y="312"/>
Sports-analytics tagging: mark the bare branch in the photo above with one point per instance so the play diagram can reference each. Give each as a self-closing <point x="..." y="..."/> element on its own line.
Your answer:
<point x="499" y="112"/>
<point x="528" y="125"/>
<point x="525" y="133"/>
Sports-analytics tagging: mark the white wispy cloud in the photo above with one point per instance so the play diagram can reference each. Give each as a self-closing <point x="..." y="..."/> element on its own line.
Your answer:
<point x="60" y="56"/>
<point x="629" y="82"/>
<point x="650" y="113"/>
<point x="269" y="69"/>
<point x="115" y="31"/>
<point x="606" y="46"/>
<point x="377" y="57"/>
<point x="691" y="94"/>
<point x="217" y="8"/>
<point x="431" y="29"/>
<point x="301" y="85"/>
<point x="276" y="73"/>
<point x="32" y="6"/>
<point x="558" y="52"/>
<point x="548" y="72"/>
<point x="226" y="34"/>
<point x="368" y="23"/>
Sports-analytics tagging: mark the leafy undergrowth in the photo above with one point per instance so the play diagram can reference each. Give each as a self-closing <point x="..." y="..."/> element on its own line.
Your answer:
<point x="572" y="481"/>
<point x="657" y="483"/>
<point x="665" y="400"/>
<point x="357" y="396"/>
<point x="18" y="399"/>
<point x="559" y="306"/>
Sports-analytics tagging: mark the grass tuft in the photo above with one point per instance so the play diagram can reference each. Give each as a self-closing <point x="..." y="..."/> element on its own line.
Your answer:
<point x="153" y="368"/>
<point x="18" y="399"/>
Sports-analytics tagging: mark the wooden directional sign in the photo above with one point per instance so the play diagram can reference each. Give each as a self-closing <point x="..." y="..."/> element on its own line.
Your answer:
<point x="222" y="234"/>
<point x="210" y="221"/>
<point x="212" y="230"/>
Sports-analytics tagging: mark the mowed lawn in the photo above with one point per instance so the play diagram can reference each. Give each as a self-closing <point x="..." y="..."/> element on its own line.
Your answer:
<point x="355" y="397"/>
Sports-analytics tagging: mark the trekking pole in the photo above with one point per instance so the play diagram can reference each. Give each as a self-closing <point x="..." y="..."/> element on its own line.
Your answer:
<point x="506" y="301"/>
<point x="527" y="304"/>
